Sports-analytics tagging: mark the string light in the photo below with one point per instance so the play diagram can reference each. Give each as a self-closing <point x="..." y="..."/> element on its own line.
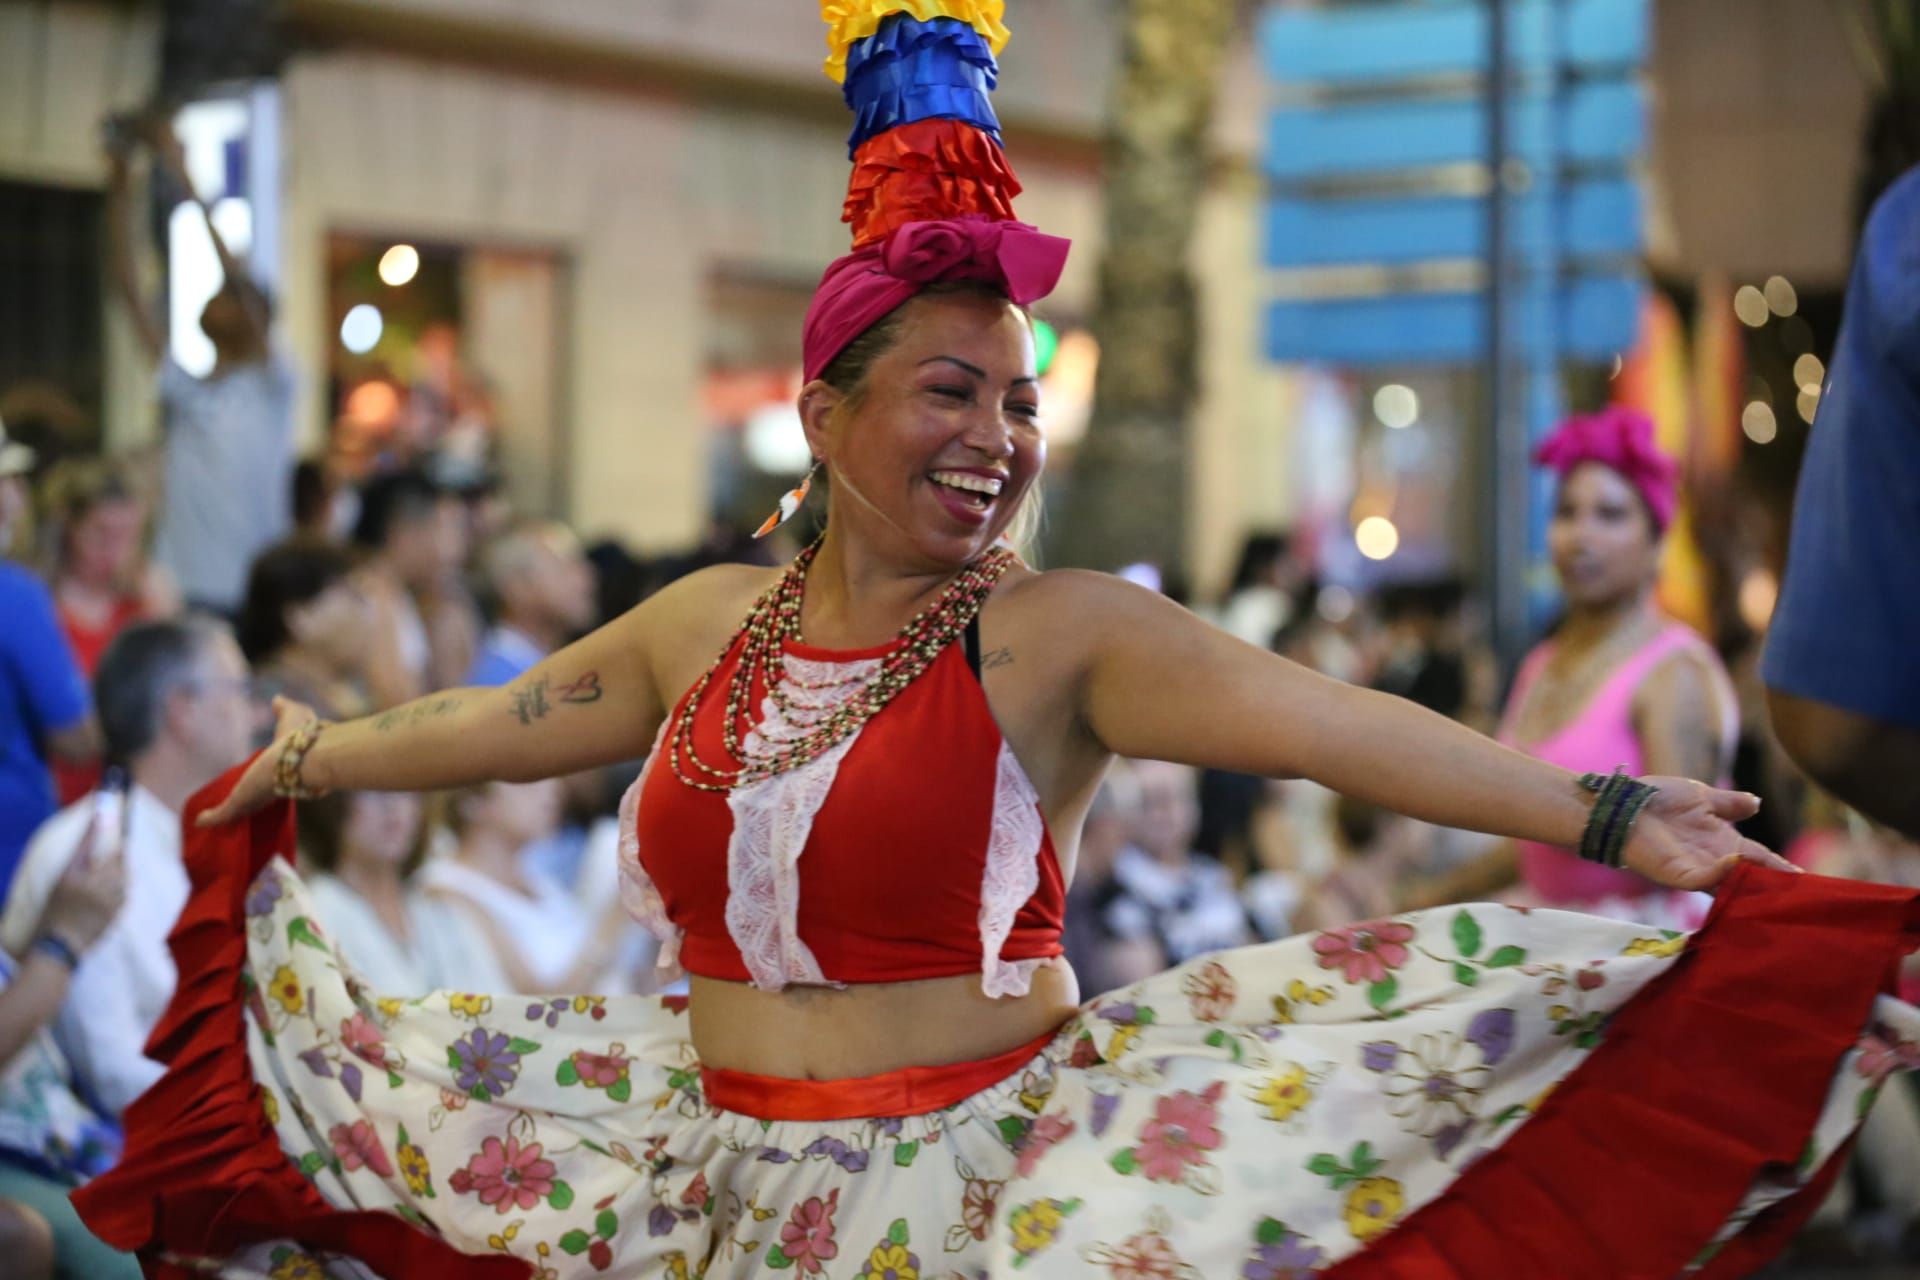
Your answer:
<point x="1809" y="373"/>
<point x="1751" y="306"/>
<point x="1780" y="296"/>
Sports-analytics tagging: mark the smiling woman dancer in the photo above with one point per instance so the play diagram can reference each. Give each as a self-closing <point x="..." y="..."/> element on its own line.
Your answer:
<point x="854" y="832"/>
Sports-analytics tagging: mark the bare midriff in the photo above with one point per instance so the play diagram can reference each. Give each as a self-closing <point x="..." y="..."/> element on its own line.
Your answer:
<point x="826" y="1033"/>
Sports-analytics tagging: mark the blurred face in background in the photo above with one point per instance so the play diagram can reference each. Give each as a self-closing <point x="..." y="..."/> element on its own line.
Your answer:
<point x="1167" y="809"/>
<point x="556" y="587"/>
<point x="428" y="546"/>
<point x="212" y="713"/>
<point x="382" y="828"/>
<point x="333" y="626"/>
<point x="103" y="544"/>
<point x="518" y="813"/>
<point x="1602" y="538"/>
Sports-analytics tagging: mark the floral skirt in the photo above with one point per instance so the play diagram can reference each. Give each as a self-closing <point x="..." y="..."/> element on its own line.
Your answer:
<point x="1470" y="1091"/>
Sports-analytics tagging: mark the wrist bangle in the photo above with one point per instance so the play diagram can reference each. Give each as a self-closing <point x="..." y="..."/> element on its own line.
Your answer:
<point x="58" y="947"/>
<point x="1618" y="800"/>
<point x="286" y="770"/>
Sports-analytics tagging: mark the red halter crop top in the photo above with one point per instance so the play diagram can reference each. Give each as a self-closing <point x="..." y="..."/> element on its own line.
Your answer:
<point x="914" y="849"/>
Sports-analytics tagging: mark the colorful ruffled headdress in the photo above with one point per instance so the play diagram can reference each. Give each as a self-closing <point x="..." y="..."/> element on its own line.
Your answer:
<point x="931" y="197"/>
<point x="1623" y="440"/>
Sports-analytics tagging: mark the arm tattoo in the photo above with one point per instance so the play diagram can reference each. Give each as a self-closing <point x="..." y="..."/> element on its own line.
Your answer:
<point x="533" y="700"/>
<point x="998" y="658"/>
<point x="428" y="708"/>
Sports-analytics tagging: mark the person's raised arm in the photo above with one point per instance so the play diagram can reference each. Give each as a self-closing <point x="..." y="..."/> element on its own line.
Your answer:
<point x="172" y="160"/>
<point x="126" y="277"/>
<point x="594" y="703"/>
<point x="1157" y="682"/>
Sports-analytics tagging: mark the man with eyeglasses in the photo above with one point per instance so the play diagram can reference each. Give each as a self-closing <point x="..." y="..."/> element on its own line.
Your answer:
<point x="172" y="699"/>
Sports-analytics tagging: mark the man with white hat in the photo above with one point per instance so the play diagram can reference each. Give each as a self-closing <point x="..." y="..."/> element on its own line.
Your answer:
<point x="44" y="709"/>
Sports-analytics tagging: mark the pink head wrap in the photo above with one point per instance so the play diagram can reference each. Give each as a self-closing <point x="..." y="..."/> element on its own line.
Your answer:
<point x="860" y="288"/>
<point x="1622" y="439"/>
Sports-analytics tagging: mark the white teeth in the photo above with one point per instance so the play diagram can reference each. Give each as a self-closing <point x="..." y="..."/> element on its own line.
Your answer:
<point x="969" y="482"/>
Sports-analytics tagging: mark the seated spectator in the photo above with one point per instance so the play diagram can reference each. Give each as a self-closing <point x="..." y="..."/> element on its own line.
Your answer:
<point x="304" y="628"/>
<point x="365" y="848"/>
<point x="544" y="938"/>
<point x="44" y="714"/>
<point x="542" y="592"/>
<point x="51" y="1140"/>
<point x="1162" y="889"/>
<point x="415" y="535"/>
<point x="94" y="528"/>
<point x="174" y="709"/>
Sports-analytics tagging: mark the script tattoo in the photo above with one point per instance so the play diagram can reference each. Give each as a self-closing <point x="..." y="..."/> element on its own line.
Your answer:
<point x="998" y="658"/>
<point x="429" y="708"/>
<point x="534" y="699"/>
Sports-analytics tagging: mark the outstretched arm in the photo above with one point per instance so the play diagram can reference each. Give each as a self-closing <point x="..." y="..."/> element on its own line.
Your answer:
<point x="1157" y="682"/>
<point x="594" y="703"/>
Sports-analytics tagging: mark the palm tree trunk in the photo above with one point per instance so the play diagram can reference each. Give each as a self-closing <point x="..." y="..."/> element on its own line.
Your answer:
<point x="1129" y="488"/>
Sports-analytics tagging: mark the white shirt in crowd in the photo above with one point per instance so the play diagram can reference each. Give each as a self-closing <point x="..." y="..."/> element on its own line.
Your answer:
<point x="445" y="952"/>
<point x="550" y="925"/>
<point x="127" y="977"/>
<point x="229" y="465"/>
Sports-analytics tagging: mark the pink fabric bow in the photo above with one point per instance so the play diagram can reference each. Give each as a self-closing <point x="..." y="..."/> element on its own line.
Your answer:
<point x="1621" y="439"/>
<point x="865" y="285"/>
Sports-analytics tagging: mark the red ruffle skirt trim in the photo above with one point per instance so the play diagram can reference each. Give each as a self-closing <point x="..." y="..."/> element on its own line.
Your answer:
<point x="1628" y="1169"/>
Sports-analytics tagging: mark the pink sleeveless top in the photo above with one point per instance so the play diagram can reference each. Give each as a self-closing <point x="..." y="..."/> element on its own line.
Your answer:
<point x="1599" y="740"/>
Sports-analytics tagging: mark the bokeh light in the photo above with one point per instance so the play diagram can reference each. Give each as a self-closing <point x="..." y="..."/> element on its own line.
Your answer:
<point x="1377" y="538"/>
<point x="1780" y="296"/>
<point x="1809" y="372"/>
<point x="360" y="331"/>
<point x="399" y="264"/>
<point x="1758" y="422"/>
<point x="1808" y="403"/>
<point x="1751" y="306"/>
<point x="1396" y="406"/>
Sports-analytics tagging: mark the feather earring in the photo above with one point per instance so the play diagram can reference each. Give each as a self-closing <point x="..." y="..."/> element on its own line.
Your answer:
<point x="789" y="504"/>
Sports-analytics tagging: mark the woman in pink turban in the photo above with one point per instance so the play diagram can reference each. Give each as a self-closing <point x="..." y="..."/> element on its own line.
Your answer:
<point x="1618" y="683"/>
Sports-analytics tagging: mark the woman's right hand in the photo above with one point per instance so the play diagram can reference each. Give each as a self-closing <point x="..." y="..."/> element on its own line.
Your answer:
<point x="87" y="896"/>
<point x="255" y="787"/>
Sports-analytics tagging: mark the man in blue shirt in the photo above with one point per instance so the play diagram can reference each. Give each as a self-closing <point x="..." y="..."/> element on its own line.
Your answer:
<point x="1842" y="665"/>
<point x="43" y="695"/>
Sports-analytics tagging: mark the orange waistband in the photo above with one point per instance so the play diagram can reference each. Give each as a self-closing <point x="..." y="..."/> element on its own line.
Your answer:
<point x="910" y="1091"/>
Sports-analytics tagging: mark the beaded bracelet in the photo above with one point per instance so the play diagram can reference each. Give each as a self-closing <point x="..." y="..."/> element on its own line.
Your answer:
<point x="1619" y="800"/>
<point x="286" y="770"/>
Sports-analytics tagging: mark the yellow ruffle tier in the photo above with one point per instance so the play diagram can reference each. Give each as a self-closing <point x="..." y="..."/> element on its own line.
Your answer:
<point x="851" y="20"/>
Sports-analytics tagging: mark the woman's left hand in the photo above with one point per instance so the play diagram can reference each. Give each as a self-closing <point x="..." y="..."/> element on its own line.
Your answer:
<point x="1685" y="838"/>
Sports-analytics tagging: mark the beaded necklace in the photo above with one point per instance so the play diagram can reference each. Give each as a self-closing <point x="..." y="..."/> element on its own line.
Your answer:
<point x="775" y="620"/>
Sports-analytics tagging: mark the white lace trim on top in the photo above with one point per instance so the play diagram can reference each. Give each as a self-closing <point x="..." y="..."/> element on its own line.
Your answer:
<point x="1014" y="847"/>
<point x="773" y="817"/>
<point x="637" y="891"/>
